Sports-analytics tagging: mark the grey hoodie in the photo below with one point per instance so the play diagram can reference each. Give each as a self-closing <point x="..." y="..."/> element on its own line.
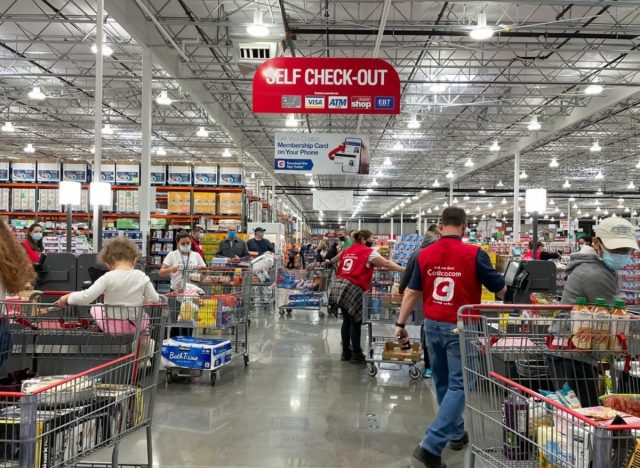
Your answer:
<point x="587" y="276"/>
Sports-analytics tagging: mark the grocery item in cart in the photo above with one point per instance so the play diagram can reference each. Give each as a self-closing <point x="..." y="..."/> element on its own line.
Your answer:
<point x="581" y="324"/>
<point x="627" y="403"/>
<point x="515" y="420"/>
<point x="61" y="393"/>
<point x="188" y="352"/>
<point x="619" y="326"/>
<point x="601" y="321"/>
<point x="393" y="351"/>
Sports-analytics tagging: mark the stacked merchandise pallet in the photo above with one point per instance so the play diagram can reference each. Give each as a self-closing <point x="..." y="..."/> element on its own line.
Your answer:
<point x="405" y="246"/>
<point x="630" y="281"/>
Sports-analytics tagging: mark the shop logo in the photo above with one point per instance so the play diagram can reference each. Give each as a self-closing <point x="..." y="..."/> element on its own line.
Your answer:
<point x="361" y="102"/>
<point x="443" y="289"/>
<point x="338" y="102"/>
<point x="291" y="102"/>
<point x="385" y="102"/>
<point x="314" y="102"/>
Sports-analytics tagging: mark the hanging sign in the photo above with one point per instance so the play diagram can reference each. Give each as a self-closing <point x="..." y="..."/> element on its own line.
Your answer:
<point x="303" y="85"/>
<point x="321" y="153"/>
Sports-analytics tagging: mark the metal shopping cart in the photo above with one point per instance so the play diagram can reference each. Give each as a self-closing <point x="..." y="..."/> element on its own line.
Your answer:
<point x="380" y="310"/>
<point x="78" y="380"/>
<point x="528" y="392"/>
<point x="304" y="289"/>
<point x="263" y="292"/>
<point x="209" y="323"/>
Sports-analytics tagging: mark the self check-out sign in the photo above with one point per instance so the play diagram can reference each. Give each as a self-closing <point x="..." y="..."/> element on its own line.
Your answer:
<point x="326" y="86"/>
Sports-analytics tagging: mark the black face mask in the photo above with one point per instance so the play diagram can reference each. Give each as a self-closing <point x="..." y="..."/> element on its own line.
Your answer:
<point x="368" y="244"/>
<point x="342" y="238"/>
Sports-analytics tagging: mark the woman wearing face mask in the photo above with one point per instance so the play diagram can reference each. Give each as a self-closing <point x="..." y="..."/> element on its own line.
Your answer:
<point x="354" y="275"/>
<point x="178" y="262"/>
<point x="33" y="243"/>
<point x="592" y="274"/>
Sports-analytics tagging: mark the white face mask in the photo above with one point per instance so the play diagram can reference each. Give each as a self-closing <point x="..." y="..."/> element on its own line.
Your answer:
<point x="185" y="249"/>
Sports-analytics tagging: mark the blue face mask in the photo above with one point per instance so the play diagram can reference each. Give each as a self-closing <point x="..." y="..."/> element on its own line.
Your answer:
<point x="616" y="262"/>
<point x="232" y="234"/>
<point x="36" y="236"/>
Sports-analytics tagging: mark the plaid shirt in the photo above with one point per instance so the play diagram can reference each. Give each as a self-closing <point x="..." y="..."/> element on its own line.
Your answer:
<point x="348" y="297"/>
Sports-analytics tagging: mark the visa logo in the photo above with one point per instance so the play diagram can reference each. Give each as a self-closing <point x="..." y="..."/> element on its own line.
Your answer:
<point x="338" y="102"/>
<point x="384" y="102"/>
<point x="314" y="102"/>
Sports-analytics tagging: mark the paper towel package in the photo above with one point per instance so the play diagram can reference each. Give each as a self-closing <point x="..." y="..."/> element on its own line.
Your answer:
<point x="189" y="352"/>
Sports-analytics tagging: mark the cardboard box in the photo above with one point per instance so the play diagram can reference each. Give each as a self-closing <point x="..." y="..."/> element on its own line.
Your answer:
<point x="23" y="172"/>
<point x="4" y="171"/>
<point x="158" y="174"/>
<point x="190" y="352"/>
<point x="205" y="174"/>
<point x="48" y="172"/>
<point x="231" y="175"/>
<point x="179" y="174"/>
<point x="127" y="174"/>
<point x="393" y="352"/>
<point x="204" y="202"/>
<point x="76" y="172"/>
<point x="108" y="172"/>
<point x="179" y="202"/>
<point x="230" y="203"/>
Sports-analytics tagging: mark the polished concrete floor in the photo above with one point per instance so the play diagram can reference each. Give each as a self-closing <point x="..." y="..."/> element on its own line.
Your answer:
<point x="296" y="405"/>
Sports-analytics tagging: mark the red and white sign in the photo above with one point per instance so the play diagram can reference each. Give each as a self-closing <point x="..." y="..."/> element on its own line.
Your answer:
<point x="303" y="85"/>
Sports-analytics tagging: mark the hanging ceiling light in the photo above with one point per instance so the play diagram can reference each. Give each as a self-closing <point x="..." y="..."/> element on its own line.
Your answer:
<point x="495" y="146"/>
<point x="562" y="214"/>
<point x="456" y="201"/>
<point x="107" y="130"/>
<point x="482" y="191"/>
<point x="257" y="28"/>
<point x="202" y="132"/>
<point x="429" y="211"/>
<point x="546" y="216"/>
<point x="29" y="148"/>
<point x="572" y="198"/>
<point x="468" y="163"/>
<point x="8" y="127"/>
<point x="534" y="125"/>
<point x="523" y="175"/>
<point x="635" y="213"/>
<point x="478" y="208"/>
<point x="413" y="123"/>
<point x="36" y="94"/>
<point x="598" y="209"/>
<point x="481" y="32"/>
<point x="552" y="202"/>
<point x="504" y="212"/>
<point x="398" y="146"/>
<point x="163" y="99"/>
<point x="423" y="191"/>
<point x="106" y="50"/>
<point x="436" y="183"/>
<point x="631" y="185"/>
<point x="490" y="205"/>
<point x="599" y="192"/>
<point x="503" y="201"/>
<point x="554" y="163"/>
<point x="93" y="149"/>
<point x="291" y="121"/>
<point x="466" y="198"/>
<point x="593" y="88"/>
<point x="575" y="206"/>
<point x="438" y="87"/>
<point x="595" y="147"/>
<point x="445" y="205"/>
<point x="500" y="184"/>
<point x="226" y="153"/>
<point x="599" y="176"/>
<point x="449" y="175"/>
<point x="387" y="162"/>
<point x="626" y="210"/>
<point x="160" y="151"/>
<point x="566" y="184"/>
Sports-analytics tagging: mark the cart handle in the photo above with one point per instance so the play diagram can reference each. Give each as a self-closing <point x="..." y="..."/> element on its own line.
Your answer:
<point x="564" y="409"/>
<point x="464" y="310"/>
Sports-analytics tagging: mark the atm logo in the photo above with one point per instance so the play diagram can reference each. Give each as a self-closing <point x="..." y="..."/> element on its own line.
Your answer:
<point x="361" y="102"/>
<point x="338" y="102"/>
<point x="314" y="102"/>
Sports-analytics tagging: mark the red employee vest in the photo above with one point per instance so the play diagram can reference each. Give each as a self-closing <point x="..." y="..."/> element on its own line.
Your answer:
<point x="449" y="279"/>
<point x="529" y="255"/>
<point x="353" y="265"/>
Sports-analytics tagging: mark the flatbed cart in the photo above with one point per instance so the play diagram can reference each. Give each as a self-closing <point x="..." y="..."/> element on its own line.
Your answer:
<point x="209" y="323"/>
<point x="379" y="310"/>
<point x="304" y="290"/>
<point x="91" y="380"/>
<point x="529" y="398"/>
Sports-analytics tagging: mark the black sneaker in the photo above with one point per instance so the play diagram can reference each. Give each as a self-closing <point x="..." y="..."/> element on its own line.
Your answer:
<point x="345" y="356"/>
<point x="460" y="443"/>
<point x="358" y="358"/>
<point x="427" y="458"/>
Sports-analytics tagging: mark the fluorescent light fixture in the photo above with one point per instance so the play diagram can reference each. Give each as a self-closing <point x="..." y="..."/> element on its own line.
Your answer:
<point x="503" y="201"/>
<point x="160" y="151"/>
<point x="423" y="191"/>
<point x="369" y="190"/>
<point x="408" y="199"/>
<point x="599" y="176"/>
<point x="398" y="146"/>
<point x="598" y="209"/>
<point x="291" y="121"/>
<point x="414" y="198"/>
<point x="481" y="32"/>
<point x="534" y="125"/>
<point x="8" y="127"/>
<point x="449" y="175"/>
<point x="631" y="185"/>
<point x="500" y="184"/>
<point x="546" y="216"/>
<point x="505" y="212"/>
<point x="438" y="87"/>
<point x="482" y="191"/>
<point x="413" y="123"/>
<point x="566" y="184"/>
<point x="387" y="162"/>
<point x="36" y="94"/>
<point x="554" y="163"/>
<point x="626" y="210"/>
<point x="436" y="183"/>
<point x="202" y="132"/>
<point x="429" y="211"/>
<point x="69" y="192"/>
<point x="163" y="99"/>
<point x="572" y="199"/>
<point x="226" y="153"/>
<point x="478" y="208"/>
<point x="29" y="148"/>
<point x="635" y="213"/>
<point x="107" y="130"/>
<point x="536" y="200"/>
<point x="469" y="163"/>
<point x="374" y="183"/>
<point x="595" y="147"/>
<point x="257" y="28"/>
<point x="495" y="146"/>
<point x="106" y="50"/>
<point x="593" y="88"/>
<point x="523" y="175"/>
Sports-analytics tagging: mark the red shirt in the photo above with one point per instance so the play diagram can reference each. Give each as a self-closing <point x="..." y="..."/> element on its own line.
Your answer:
<point x="353" y="265"/>
<point x="34" y="255"/>
<point x="529" y="255"/>
<point x="196" y="247"/>
<point x="449" y="278"/>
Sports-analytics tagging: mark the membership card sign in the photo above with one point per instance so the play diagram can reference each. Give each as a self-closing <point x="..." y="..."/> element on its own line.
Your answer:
<point x="321" y="153"/>
<point x="303" y="85"/>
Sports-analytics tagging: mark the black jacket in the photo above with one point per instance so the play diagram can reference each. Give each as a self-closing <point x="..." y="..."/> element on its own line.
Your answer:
<point x="412" y="262"/>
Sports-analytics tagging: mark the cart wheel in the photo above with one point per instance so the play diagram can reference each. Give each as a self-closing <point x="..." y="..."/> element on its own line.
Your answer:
<point x="372" y="370"/>
<point x="289" y="310"/>
<point x="322" y="315"/>
<point x="281" y="312"/>
<point x="169" y="377"/>
<point x="246" y="360"/>
<point x="214" y="377"/>
<point x="414" y="372"/>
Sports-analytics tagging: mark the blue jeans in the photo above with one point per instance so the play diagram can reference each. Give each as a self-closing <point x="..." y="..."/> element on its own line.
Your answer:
<point x="446" y="366"/>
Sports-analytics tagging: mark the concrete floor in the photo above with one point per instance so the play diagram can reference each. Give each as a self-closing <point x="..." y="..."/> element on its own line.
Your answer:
<point x="296" y="405"/>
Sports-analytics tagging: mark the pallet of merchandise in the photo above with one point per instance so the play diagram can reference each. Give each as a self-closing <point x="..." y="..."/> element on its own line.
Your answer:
<point x="179" y="202"/>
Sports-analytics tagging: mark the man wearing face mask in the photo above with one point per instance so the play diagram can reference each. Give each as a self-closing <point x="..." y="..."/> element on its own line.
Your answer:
<point x="196" y="240"/>
<point x="233" y="247"/>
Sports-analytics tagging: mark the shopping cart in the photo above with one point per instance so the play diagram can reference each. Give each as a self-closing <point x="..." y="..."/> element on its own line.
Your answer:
<point x="532" y="390"/>
<point x="304" y="289"/>
<point x="78" y="380"/>
<point x="209" y="323"/>
<point x="380" y="310"/>
<point x="263" y="287"/>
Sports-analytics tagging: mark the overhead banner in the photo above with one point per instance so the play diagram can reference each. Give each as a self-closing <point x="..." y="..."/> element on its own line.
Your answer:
<point x="303" y="85"/>
<point x="333" y="200"/>
<point x="321" y="153"/>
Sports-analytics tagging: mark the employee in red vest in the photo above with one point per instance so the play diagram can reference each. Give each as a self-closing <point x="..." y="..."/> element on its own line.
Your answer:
<point x="540" y="254"/>
<point x="450" y="274"/>
<point x="354" y="275"/>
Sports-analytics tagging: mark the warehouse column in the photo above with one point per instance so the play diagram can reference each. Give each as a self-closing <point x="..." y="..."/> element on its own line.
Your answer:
<point x="97" y="160"/>
<point x="274" y="202"/>
<point x="145" y="156"/>
<point x="516" y="196"/>
<point x="451" y="193"/>
<point x="391" y="228"/>
<point x="401" y="222"/>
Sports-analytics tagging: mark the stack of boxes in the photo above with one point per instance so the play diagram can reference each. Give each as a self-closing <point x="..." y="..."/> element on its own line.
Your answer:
<point x="404" y="247"/>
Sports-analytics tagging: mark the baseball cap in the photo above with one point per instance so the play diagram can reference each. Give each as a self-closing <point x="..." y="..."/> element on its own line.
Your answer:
<point x="259" y="229"/>
<point x="617" y="233"/>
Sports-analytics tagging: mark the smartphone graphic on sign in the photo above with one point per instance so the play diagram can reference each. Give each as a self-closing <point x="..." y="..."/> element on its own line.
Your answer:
<point x="350" y="158"/>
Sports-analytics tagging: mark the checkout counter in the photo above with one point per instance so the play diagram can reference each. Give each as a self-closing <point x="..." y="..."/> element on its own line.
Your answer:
<point x="529" y="276"/>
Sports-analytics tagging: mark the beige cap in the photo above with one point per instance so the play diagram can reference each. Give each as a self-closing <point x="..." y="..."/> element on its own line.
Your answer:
<point x="617" y="233"/>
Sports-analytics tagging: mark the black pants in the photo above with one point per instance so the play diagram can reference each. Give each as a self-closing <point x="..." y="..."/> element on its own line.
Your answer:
<point x="292" y="262"/>
<point x="351" y="332"/>
<point x="582" y="377"/>
<point x="423" y="337"/>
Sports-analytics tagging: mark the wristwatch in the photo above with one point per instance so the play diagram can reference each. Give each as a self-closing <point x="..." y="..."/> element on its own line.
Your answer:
<point x="401" y="325"/>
